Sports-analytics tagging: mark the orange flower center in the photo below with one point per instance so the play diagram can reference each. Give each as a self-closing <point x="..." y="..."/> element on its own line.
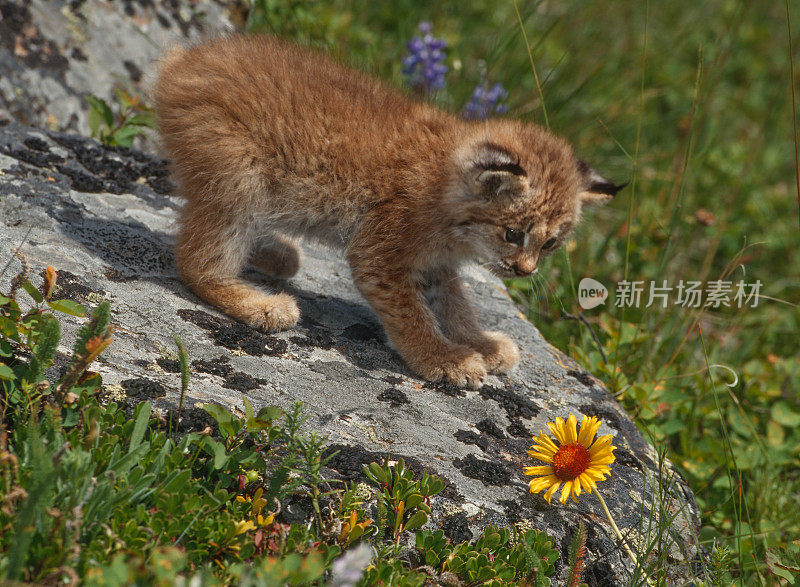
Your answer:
<point x="570" y="461"/>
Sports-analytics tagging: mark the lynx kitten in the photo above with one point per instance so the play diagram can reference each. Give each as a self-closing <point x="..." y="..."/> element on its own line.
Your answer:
<point x="270" y="142"/>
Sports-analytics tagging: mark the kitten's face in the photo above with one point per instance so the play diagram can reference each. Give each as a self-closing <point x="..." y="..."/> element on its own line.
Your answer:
<point x="521" y="201"/>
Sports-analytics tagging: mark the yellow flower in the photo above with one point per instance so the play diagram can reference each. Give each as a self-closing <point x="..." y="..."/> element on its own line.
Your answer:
<point x="243" y="526"/>
<point x="578" y="460"/>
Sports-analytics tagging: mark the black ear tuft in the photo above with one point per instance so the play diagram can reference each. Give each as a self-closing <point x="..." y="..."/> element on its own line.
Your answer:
<point x="595" y="188"/>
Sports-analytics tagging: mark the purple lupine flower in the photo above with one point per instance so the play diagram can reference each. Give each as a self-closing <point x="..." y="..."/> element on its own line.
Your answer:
<point x="424" y="66"/>
<point x="486" y="102"/>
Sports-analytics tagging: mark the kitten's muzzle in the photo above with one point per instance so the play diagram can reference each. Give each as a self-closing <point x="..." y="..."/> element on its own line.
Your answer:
<point x="522" y="272"/>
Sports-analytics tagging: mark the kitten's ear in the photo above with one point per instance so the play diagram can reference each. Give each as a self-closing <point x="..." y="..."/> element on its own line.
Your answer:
<point x="595" y="189"/>
<point x="494" y="170"/>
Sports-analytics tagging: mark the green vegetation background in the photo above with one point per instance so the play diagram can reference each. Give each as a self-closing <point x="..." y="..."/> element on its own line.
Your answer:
<point x="692" y="104"/>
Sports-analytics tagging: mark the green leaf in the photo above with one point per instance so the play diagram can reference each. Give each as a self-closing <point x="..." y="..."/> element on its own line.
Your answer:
<point x="6" y="372"/>
<point x="419" y="519"/>
<point x="142" y="119"/>
<point x="177" y="480"/>
<point x="270" y="413"/>
<point x="217" y="449"/>
<point x="95" y="120"/>
<point x="227" y="423"/>
<point x="785" y="415"/>
<point x="32" y="291"/>
<point x="125" y="135"/>
<point x="413" y="501"/>
<point x="8" y="328"/>
<point x="140" y="426"/>
<point x="67" y="307"/>
<point x="377" y="473"/>
<point x="102" y="108"/>
<point x="124" y="101"/>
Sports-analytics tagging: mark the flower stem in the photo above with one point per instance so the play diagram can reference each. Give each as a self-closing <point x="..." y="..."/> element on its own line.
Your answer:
<point x="619" y="534"/>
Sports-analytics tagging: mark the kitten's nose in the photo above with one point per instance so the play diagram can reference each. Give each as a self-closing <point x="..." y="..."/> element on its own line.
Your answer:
<point x="521" y="272"/>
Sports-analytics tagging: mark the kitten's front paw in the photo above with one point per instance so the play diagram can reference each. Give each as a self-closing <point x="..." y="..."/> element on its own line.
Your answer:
<point x="499" y="352"/>
<point x="462" y="366"/>
<point x="272" y="312"/>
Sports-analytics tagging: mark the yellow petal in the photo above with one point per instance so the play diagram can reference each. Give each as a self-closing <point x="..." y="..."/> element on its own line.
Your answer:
<point x="589" y="427"/>
<point x="547" y="458"/>
<point x="586" y="482"/>
<point x="557" y="428"/>
<point x="539" y="470"/>
<point x="594" y="474"/>
<point x="600" y="444"/>
<point x="566" y="491"/>
<point x="552" y="490"/>
<point x="544" y="449"/>
<point x="571" y="432"/>
<point x="536" y="485"/>
<point x="547" y="442"/>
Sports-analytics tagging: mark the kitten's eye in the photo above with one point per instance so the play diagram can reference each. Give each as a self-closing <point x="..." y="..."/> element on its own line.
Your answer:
<point x="550" y="244"/>
<point x="515" y="236"/>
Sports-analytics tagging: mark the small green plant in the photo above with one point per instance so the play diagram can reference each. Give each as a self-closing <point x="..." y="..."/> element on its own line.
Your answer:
<point x="118" y="127"/>
<point x="403" y="503"/>
<point x="577" y="556"/>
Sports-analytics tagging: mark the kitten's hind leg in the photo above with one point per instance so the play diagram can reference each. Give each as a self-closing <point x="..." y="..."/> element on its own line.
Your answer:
<point x="211" y="251"/>
<point x="276" y="255"/>
<point x="448" y="301"/>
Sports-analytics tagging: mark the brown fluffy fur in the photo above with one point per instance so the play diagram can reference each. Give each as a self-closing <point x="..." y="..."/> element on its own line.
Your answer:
<point x="271" y="142"/>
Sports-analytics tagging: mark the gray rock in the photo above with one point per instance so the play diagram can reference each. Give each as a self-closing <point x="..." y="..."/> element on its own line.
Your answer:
<point x="103" y="218"/>
<point x="54" y="52"/>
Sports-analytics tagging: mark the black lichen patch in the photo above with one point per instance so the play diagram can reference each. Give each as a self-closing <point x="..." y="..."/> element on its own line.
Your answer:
<point x="488" y="427"/>
<point x="37" y="144"/>
<point x="169" y="365"/>
<point x="235" y="335"/>
<point x="80" y="180"/>
<point x="599" y="574"/>
<point x="348" y="461"/>
<point x="392" y="379"/>
<point x="627" y="458"/>
<point x="239" y="381"/>
<point x="394" y="397"/>
<point x="362" y="333"/>
<point x="602" y="413"/>
<point x="141" y="389"/>
<point x="70" y="286"/>
<point x="456" y="528"/>
<point x="583" y="376"/>
<point x="314" y="338"/>
<point x="34" y="157"/>
<point x="133" y="70"/>
<point x="192" y="419"/>
<point x="112" y="169"/>
<point x="220" y="366"/>
<point x="514" y="404"/>
<point x="470" y="437"/>
<point x="487" y="472"/>
<point x="517" y="429"/>
<point x="445" y="387"/>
